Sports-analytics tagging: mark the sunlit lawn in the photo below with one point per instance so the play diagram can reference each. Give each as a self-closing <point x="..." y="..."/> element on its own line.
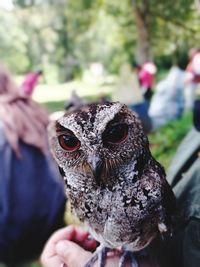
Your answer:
<point x="55" y="95"/>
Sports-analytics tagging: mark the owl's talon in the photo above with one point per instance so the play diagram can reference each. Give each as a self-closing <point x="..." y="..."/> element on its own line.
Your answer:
<point x="134" y="262"/>
<point x="100" y="255"/>
<point x="130" y="257"/>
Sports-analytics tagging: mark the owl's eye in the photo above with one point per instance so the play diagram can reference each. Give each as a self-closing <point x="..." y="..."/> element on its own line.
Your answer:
<point x="69" y="142"/>
<point x="116" y="134"/>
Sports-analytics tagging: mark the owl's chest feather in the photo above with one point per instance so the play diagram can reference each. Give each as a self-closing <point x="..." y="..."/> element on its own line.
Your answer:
<point x="106" y="211"/>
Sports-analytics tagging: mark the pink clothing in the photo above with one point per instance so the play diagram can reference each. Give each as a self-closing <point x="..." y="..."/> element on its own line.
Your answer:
<point x="29" y="83"/>
<point x="191" y="68"/>
<point x="146" y="79"/>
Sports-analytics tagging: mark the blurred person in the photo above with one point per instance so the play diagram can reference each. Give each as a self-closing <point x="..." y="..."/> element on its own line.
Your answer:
<point x="32" y="197"/>
<point x="136" y="69"/>
<point x="146" y="76"/>
<point x="128" y="92"/>
<point x="30" y="81"/>
<point x="167" y="102"/>
<point x="196" y="116"/>
<point x="192" y="77"/>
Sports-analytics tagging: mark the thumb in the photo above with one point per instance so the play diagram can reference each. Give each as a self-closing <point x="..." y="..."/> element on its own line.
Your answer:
<point x="72" y="254"/>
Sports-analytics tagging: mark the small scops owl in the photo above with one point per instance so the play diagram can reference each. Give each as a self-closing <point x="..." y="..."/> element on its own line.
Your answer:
<point x="114" y="184"/>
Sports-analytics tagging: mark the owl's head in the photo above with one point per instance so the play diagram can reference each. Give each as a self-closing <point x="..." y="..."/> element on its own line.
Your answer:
<point x="97" y="142"/>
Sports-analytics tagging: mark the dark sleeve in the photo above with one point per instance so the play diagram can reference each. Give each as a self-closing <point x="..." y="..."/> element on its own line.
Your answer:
<point x="32" y="202"/>
<point x="191" y="244"/>
<point x="183" y="249"/>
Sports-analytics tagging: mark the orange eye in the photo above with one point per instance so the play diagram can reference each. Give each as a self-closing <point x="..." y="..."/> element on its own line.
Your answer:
<point x="116" y="134"/>
<point x="69" y="142"/>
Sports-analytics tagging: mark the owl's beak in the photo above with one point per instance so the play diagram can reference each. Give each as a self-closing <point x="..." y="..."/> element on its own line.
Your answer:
<point x="96" y="166"/>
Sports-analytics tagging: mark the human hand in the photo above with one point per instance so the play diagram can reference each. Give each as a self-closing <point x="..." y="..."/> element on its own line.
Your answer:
<point x="68" y="245"/>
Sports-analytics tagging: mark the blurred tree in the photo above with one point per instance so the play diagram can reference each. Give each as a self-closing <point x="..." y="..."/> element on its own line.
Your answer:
<point x="65" y="36"/>
<point x="141" y="10"/>
<point x="160" y="22"/>
<point x="12" y="43"/>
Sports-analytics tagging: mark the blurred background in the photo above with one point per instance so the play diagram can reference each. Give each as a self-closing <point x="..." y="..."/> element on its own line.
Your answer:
<point x="65" y="37"/>
<point x="94" y="46"/>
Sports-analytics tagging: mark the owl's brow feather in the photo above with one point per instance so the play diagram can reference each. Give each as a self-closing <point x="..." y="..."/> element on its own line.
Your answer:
<point x="61" y="129"/>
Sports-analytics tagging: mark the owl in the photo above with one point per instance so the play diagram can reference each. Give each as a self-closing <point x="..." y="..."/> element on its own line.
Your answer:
<point x="114" y="184"/>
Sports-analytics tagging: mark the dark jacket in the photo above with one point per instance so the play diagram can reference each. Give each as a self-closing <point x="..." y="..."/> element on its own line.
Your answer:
<point x="183" y="249"/>
<point x="32" y="201"/>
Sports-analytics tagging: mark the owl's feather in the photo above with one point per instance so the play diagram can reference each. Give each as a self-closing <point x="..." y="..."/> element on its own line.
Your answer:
<point x="115" y="185"/>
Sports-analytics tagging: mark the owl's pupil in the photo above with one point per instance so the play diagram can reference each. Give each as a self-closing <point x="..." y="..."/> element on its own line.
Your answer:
<point x="116" y="134"/>
<point x="69" y="142"/>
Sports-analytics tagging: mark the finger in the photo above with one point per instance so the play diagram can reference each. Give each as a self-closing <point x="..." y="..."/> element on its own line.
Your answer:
<point x="82" y="238"/>
<point x="72" y="254"/>
<point x="89" y="244"/>
<point x="80" y="235"/>
<point x="64" y="233"/>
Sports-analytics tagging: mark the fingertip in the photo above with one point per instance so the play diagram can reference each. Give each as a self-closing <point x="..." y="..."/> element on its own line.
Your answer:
<point x="71" y="252"/>
<point x="90" y="244"/>
<point x="63" y="233"/>
<point x="80" y="235"/>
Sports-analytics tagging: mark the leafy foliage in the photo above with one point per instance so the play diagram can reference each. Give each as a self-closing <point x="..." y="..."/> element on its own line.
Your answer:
<point x="68" y="35"/>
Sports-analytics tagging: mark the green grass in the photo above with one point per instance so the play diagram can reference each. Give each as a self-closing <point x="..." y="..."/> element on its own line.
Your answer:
<point x="164" y="141"/>
<point x="86" y="88"/>
<point x="54" y="106"/>
<point x="32" y="264"/>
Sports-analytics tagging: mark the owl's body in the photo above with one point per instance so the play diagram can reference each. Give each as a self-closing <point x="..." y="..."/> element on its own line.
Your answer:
<point x="123" y="216"/>
<point x="113" y="182"/>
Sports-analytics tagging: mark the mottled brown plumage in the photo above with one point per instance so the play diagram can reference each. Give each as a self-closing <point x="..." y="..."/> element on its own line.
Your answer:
<point x="115" y="185"/>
